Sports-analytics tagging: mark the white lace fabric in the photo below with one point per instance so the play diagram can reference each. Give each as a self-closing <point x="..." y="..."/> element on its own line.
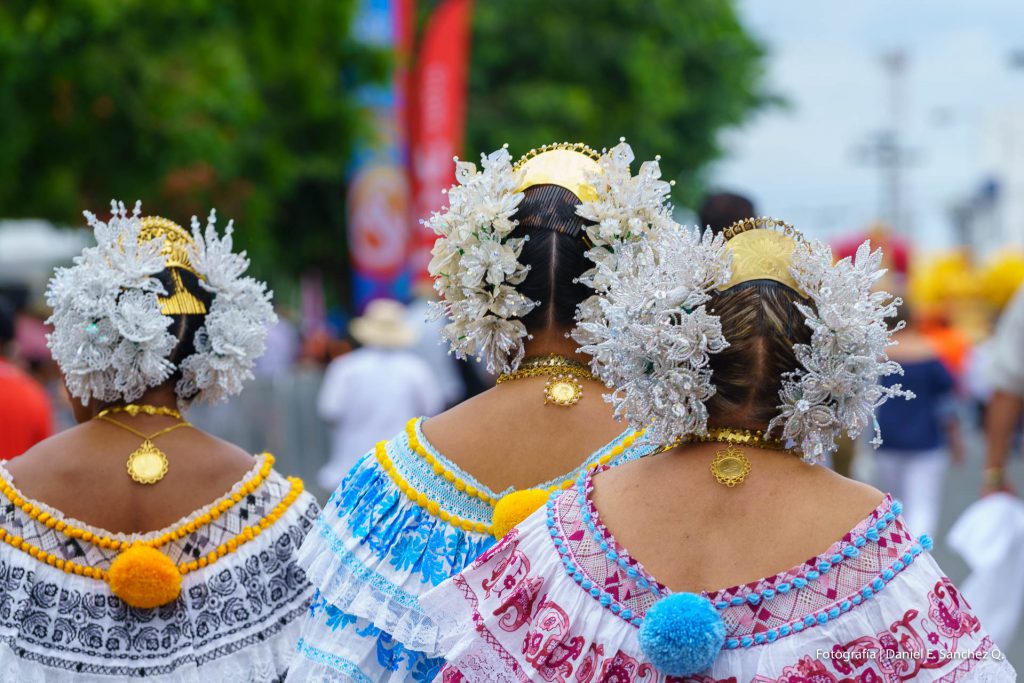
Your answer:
<point x="236" y="619"/>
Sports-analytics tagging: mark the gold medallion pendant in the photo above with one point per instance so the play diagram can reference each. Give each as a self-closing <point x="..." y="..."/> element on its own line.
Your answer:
<point x="147" y="464"/>
<point x="563" y="390"/>
<point x="563" y="387"/>
<point x="730" y="467"/>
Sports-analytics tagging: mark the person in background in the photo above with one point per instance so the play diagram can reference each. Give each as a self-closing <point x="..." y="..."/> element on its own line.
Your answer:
<point x="721" y="209"/>
<point x="921" y="435"/>
<point x="1006" y="372"/>
<point x="375" y="389"/>
<point x="431" y="348"/>
<point x="26" y="417"/>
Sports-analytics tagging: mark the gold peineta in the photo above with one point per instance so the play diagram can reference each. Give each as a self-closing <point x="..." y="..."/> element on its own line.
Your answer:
<point x="762" y="249"/>
<point x="175" y="251"/>
<point x="566" y="164"/>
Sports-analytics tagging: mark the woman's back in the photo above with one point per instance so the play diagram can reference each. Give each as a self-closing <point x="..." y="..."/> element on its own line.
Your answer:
<point x="711" y="537"/>
<point x="510" y="267"/>
<point x="731" y="555"/>
<point x="133" y="544"/>
<point x="491" y="434"/>
<point x="81" y="472"/>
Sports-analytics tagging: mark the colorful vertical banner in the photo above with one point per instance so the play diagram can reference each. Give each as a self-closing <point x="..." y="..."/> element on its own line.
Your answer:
<point x="438" y="118"/>
<point x="378" y="200"/>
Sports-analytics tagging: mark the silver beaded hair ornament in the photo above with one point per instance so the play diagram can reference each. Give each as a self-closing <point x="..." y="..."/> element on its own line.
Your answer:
<point x="476" y="265"/>
<point x="653" y="337"/>
<point x="110" y="323"/>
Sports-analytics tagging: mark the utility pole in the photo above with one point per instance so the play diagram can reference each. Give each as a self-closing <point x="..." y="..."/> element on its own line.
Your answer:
<point x="885" y="149"/>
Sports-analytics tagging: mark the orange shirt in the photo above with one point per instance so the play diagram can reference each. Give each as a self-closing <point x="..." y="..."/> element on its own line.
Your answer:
<point x="25" y="415"/>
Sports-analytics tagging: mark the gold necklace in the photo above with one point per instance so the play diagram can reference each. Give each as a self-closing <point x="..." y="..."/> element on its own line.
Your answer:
<point x="147" y="464"/>
<point x="731" y="466"/>
<point x="563" y="387"/>
<point x="134" y="409"/>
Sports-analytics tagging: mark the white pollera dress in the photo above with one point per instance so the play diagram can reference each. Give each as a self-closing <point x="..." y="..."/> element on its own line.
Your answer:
<point x="235" y="620"/>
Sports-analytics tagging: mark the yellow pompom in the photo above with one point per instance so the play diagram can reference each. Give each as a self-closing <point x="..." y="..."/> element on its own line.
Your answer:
<point x="144" y="577"/>
<point x="514" y="508"/>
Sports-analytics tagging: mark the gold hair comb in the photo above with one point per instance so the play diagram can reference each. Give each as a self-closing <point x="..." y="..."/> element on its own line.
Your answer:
<point x="565" y="164"/>
<point x="175" y="253"/>
<point x="762" y="249"/>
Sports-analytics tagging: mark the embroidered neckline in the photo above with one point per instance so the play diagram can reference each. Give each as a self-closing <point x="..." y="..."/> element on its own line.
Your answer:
<point x="467" y="485"/>
<point x="45" y="514"/>
<point x="248" y="533"/>
<point x="421" y="446"/>
<point x="795" y="578"/>
<point x="54" y="519"/>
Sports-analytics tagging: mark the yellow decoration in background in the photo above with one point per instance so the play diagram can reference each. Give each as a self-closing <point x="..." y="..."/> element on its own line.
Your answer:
<point x="1000" y="279"/>
<point x="514" y="508"/>
<point x="144" y="577"/>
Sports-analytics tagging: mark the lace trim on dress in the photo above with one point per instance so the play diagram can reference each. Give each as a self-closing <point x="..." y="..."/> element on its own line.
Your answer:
<point x="202" y="533"/>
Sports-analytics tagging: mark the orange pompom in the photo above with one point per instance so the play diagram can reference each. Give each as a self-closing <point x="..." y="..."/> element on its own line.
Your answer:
<point x="514" y="508"/>
<point x="144" y="577"/>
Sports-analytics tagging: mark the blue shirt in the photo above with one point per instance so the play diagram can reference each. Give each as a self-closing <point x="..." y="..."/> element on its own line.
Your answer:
<point x="917" y="424"/>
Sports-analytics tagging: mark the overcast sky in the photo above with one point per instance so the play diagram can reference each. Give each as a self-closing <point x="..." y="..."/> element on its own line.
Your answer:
<point x="799" y="163"/>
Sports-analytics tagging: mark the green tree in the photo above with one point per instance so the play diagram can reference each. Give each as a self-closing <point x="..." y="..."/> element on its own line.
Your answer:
<point x="667" y="74"/>
<point x="186" y="104"/>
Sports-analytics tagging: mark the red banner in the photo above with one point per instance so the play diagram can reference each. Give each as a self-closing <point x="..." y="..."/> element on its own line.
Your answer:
<point x="437" y="119"/>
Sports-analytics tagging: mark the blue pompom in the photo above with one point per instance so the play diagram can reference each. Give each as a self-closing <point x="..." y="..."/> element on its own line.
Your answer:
<point x="682" y="634"/>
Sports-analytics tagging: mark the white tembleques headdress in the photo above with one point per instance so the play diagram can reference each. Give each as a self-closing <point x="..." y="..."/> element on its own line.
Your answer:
<point x="476" y="264"/>
<point x="111" y="315"/>
<point x="654" y="337"/>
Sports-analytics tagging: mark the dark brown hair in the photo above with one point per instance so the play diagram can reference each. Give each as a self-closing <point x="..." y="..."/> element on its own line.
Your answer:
<point x="555" y="253"/>
<point x="762" y="324"/>
<point x="184" y="327"/>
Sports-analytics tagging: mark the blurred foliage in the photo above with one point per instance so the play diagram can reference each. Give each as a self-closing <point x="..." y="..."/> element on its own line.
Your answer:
<point x="186" y="104"/>
<point x="667" y="75"/>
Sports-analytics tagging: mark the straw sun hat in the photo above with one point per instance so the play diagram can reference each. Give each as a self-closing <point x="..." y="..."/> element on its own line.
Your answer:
<point x="383" y="325"/>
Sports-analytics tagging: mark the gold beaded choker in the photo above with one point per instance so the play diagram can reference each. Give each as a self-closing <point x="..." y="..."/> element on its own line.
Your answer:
<point x="134" y="409"/>
<point x="730" y="466"/>
<point x="563" y="387"/>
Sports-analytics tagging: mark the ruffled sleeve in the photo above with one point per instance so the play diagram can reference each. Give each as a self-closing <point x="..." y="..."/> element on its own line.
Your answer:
<point x="374" y="551"/>
<point x="559" y="599"/>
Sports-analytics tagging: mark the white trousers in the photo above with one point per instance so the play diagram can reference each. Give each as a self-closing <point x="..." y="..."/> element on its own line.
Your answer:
<point x="916" y="478"/>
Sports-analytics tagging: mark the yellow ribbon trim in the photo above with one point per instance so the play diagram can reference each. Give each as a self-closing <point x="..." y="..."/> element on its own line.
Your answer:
<point x="33" y="511"/>
<point x="247" y="534"/>
<point x="434" y="509"/>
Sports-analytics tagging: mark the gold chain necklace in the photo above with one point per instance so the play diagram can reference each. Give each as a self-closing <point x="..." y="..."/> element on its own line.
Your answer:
<point x="134" y="409"/>
<point x="563" y="387"/>
<point x="147" y="464"/>
<point x="730" y="466"/>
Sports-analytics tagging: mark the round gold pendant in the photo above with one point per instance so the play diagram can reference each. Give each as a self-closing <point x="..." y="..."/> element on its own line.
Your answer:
<point x="147" y="464"/>
<point x="563" y="390"/>
<point x="730" y="467"/>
